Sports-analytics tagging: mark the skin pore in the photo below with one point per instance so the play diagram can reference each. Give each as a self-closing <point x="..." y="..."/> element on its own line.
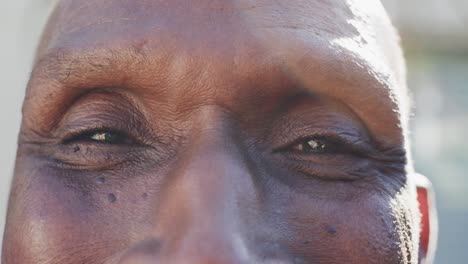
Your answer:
<point x="214" y="131"/>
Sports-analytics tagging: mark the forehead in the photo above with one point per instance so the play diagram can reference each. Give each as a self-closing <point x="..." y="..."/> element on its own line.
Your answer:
<point x="97" y="22"/>
<point x="349" y="44"/>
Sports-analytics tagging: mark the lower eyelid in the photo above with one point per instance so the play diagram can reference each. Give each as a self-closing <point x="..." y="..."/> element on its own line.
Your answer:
<point x="93" y="155"/>
<point x="325" y="172"/>
<point x="333" y="166"/>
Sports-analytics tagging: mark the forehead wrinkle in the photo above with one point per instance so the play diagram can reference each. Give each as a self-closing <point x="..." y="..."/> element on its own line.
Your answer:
<point x="69" y="68"/>
<point x="319" y="18"/>
<point x="176" y="21"/>
<point x="345" y="26"/>
<point x="364" y="22"/>
<point x="336" y="22"/>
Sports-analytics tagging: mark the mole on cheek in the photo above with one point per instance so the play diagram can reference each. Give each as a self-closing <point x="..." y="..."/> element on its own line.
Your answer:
<point x="298" y="260"/>
<point x="101" y="180"/>
<point x="372" y="245"/>
<point x="331" y="229"/>
<point x="111" y="198"/>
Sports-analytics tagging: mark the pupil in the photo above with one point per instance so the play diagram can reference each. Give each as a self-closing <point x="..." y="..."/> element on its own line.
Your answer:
<point x="316" y="146"/>
<point x="104" y="137"/>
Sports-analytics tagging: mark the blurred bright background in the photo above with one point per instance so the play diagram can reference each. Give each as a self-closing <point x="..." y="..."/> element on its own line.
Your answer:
<point x="435" y="38"/>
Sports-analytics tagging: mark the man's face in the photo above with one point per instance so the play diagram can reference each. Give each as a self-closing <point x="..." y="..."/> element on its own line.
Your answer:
<point x="213" y="132"/>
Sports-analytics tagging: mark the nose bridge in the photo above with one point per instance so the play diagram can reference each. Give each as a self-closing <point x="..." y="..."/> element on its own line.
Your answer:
<point x="209" y="178"/>
<point x="199" y="215"/>
<point x="212" y="164"/>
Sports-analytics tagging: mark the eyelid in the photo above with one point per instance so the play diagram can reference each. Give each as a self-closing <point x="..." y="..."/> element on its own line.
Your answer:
<point x="106" y="110"/>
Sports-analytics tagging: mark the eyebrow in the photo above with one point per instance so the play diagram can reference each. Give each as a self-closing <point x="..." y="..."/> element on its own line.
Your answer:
<point x="65" y="66"/>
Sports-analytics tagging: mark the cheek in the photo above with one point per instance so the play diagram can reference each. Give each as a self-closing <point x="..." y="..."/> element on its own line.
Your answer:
<point x="51" y="221"/>
<point x="57" y="223"/>
<point x="361" y="230"/>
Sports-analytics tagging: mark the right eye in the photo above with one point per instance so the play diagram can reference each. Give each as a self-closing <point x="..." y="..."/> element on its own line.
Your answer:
<point x="107" y="137"/>
<point x="104" y="136"/>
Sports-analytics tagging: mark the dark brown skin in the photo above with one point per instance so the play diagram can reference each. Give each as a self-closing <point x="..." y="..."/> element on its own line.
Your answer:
<point x="198" y="131"/>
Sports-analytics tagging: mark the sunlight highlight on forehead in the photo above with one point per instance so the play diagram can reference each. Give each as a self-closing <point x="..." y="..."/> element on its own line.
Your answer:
<point x="374" y="43"/>
<point x="380" y="47"/>
<point x="349" y="39"/>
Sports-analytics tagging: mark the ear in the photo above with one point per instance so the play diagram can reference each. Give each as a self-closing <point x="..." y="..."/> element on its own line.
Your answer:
<point x="427" y="208"/>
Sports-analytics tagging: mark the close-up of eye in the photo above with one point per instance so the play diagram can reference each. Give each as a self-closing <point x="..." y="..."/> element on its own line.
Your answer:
<point x="101" y="136"/>
<point x="315" y="146"/>
<point x="99" y="148"/>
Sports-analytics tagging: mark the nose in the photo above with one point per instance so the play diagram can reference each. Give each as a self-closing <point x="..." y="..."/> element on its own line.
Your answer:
<point x="200" y="217"/>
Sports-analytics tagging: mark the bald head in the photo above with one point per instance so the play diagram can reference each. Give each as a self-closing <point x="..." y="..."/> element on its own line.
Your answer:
<point x="214" y="132"/>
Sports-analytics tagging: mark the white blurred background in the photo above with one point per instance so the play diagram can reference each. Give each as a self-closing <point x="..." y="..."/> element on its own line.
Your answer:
<point x="435" y="39"/>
